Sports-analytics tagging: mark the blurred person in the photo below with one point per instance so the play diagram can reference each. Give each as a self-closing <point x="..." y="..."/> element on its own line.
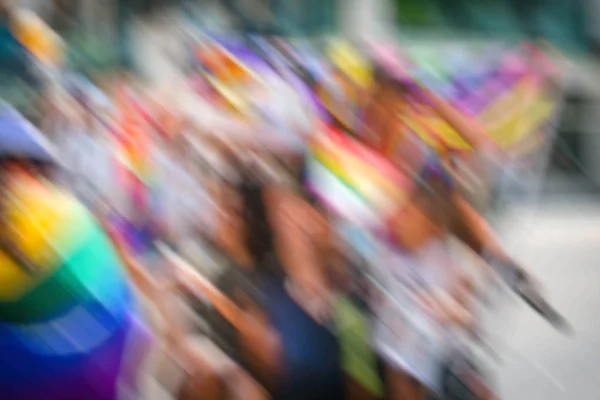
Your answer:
<point x="70" y="327"/>
<point x="390" y="96"/>
<point x="418" y="256"/>
<point x="88" y="153"/>
<point x="307" y="240"/>
<point x="422" y="281"/>
<point x="351" y="320"/>
<point x="182" y="197"/>
<point x="201" y="378"/>
<point x="193" y="369"/>
<point x="280" y="344"/>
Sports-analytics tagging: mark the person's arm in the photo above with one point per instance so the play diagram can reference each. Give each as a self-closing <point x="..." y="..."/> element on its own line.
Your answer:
<point x="296" y="243"/>
<point x="473" y="230"/>
<point x="450" y="304"/>
<point x="139" y="275"/>
<point x="260" y="344"/>
<point x="475" y="233"/>
<point x="158" y="293"/>
<point x="296" y="247"/>
<point x="196" y="283"/>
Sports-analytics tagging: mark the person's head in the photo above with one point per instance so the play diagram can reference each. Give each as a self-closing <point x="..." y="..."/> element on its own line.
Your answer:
<point x="388" y="88"/>
<point x="258" y="237"/>
<point x="388" y="96"/>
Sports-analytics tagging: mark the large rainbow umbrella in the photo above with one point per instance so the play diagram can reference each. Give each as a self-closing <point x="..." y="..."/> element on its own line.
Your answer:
<point x="67" y="311"/>
<point x="67" y="319"/>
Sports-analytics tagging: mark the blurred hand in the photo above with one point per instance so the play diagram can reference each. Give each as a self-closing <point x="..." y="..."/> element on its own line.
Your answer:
<point x="445" y="310"/>
<point x="517" y="276"/>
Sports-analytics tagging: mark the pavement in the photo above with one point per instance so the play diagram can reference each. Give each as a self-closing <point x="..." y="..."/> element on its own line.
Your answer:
<point x="558" y="240"/>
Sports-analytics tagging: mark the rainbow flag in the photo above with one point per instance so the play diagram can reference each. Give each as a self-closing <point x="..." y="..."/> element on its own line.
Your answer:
<point x="510" y="120"/>
<point x="132" y="155"/>
<point x="502" y="93"/>
<point x="509" y="101"/>
<point x="357" y="183"/>
<point x="64" y="326"/>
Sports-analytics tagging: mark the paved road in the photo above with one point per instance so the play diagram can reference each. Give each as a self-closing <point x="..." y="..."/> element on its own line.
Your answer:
<point x="559" y="241"/>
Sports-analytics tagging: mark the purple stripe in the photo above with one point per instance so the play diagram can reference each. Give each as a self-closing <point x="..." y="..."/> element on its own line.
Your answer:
<point x="91" y="377"/>
<point x="491" y="92"/>
<point x="510" y="71"/>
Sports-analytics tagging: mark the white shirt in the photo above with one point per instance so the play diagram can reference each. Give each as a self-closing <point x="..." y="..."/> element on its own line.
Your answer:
<point x="404" y="333"/>
<point x="90" y="168"/>
<point x="72" y="145"/>
<point x="283" y="116"/>
<point x="183" y="202"/>
<point x="289" y="116"/>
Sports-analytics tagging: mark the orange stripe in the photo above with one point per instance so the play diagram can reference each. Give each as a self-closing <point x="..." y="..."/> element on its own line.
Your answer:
<point x="368" y="172"/>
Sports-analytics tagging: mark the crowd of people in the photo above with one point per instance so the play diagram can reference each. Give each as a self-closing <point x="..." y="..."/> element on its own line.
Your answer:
<point x="233" y="266"/>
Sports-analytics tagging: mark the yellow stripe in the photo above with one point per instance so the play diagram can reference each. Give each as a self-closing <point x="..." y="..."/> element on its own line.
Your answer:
<point x="519" y="123"/>
<point x="509" y="101"/>
<point x="40" y="218"/>
<point x="430" y="128"/>
<point x="518" y="129"/>
<point x="374" y="194"/>
<point x="368" y="181"/>
<point x="232" y="99"/>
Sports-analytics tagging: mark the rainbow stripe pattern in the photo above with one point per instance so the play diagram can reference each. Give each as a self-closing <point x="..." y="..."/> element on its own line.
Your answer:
<point x="502" y="93"/>
<point x="494" y="85"/>
<point x="228" y="69"/>
<point x="64" y="327"/>
<point x="357" y="183"/>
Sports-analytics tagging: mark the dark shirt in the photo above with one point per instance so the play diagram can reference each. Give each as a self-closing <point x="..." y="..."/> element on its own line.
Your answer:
<point x="311" y="353"/>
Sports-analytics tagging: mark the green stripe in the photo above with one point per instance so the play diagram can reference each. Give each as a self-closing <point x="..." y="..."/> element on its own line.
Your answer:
<point x="76" y="230"/>
<point x="358" y="358"/>
<point x="70" y="232"/>
<point x="92" y="272"/>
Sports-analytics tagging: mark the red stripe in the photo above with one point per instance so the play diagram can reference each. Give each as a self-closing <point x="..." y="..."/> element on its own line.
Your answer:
<point x="367" y="155"/>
